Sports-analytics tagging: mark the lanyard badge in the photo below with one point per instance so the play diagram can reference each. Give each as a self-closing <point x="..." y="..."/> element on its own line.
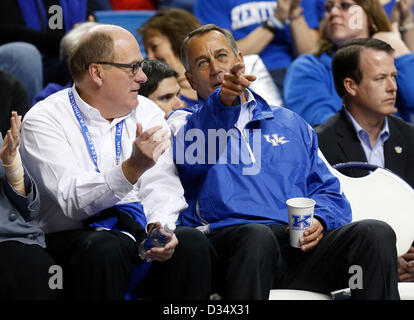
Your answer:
<point x="87" y="136"/>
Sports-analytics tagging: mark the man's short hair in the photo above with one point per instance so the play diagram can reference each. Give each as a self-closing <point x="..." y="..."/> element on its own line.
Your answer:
<point x="72" y="38"/>
<point x="201" y="31"/>
<point x="346" y="62"/>
<point x="94" y="46"/>
<point x="156" y="71"/>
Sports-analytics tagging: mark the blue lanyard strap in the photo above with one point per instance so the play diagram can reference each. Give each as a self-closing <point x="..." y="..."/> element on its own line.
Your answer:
<point x="118" y="140"/>
<point x="88" y="138"/>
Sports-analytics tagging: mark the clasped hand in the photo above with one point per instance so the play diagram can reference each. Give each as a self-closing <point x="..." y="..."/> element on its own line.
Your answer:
<point x="166" y="252"/>
<point x="285" y="8"/>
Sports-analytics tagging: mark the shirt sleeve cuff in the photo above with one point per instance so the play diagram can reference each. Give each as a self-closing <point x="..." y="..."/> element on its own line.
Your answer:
<point x="117" y="182"/>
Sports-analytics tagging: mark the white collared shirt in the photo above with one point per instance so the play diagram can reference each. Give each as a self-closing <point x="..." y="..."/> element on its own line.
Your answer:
<point x="246" y="110"/>
<point x="55" y="153"/>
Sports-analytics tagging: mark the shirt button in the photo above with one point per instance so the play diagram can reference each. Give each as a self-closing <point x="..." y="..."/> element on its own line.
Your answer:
<point x="12" y="217"/>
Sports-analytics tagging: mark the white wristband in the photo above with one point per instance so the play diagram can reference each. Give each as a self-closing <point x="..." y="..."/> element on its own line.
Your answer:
<point x="406" y="27"/>
<point x="276" y="23"/>
<point x="15" y="174"/>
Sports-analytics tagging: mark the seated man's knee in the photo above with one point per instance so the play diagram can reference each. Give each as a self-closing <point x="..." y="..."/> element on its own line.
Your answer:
<point x="191" y="239"/>
<point x="257" y="236"/>
<point x="376" y="230"/>
<point x="102" y="245"/>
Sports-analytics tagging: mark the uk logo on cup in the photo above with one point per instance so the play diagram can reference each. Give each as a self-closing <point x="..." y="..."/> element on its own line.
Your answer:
<point x="301" y="222"/>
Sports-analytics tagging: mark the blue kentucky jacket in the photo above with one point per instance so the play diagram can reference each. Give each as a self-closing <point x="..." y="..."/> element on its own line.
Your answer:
<point x="236" y="175"/>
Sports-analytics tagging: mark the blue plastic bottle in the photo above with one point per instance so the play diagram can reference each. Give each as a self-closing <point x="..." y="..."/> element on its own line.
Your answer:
<point x="156" y="238"/>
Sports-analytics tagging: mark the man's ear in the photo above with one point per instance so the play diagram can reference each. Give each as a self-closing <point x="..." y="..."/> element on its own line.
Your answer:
<point x="190" y="79"/>
<point x="240" y="57"/>
<point x="350" y="86"/>
<point x="96" y="73"/>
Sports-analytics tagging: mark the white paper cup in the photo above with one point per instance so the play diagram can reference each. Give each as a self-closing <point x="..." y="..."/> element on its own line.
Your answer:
<point x="300" y="212"/>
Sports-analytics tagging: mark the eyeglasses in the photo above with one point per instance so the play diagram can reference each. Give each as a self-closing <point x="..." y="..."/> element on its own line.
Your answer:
<point x="133" y="66"/>
<point x="343" y="6"/>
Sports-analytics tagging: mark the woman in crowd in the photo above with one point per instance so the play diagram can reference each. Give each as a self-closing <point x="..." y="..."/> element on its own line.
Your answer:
<point x="162" y="35"/>
<point x="309" y="86"/>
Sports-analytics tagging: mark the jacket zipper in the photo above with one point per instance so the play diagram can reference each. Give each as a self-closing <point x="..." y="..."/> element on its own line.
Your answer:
<point x="247" y="144"/>
<point x="202" y="220"/>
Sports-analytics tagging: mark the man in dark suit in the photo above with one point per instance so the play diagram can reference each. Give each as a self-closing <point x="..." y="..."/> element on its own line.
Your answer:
<point x="365" y="129"/>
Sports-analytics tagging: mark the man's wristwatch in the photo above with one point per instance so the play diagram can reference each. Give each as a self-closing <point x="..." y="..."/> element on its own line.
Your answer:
<point x="273" y="24"/>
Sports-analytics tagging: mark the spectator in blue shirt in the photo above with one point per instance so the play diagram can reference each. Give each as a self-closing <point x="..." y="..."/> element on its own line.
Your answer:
<point x="309" y="85"/>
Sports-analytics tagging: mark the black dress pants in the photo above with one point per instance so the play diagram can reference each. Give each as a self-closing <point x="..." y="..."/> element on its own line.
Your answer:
<point x="254" y="258"/>
<point x="24" y="272"/>
<point x="186" y="276"/>
<point x="97" y="265"/>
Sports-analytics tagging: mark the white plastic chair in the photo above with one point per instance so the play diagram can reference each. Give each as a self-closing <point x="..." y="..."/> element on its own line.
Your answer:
<point x="382" y="195"/>
<point x="264" y="84"/>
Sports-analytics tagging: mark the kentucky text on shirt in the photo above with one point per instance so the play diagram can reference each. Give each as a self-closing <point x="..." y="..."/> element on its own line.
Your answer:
<point x="251" y="13"/>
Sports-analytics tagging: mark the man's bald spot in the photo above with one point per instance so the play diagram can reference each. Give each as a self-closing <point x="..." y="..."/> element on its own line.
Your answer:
<point x="115" y="32"/>
<point x="96" y="44"/>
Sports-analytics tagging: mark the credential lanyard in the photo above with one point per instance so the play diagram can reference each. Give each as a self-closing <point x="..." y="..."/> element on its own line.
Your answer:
<point x="88" y="138"/>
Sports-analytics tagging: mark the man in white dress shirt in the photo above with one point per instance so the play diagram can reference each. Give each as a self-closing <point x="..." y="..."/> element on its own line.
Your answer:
<point x="99" y="146"/>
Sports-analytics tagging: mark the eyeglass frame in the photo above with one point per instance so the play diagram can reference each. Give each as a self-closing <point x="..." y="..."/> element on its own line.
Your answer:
<point x="343" y="6"/>
<point x="137" y="65"/>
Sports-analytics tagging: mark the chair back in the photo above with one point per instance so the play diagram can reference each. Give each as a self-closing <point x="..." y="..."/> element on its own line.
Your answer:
<point x="381" y="195"/>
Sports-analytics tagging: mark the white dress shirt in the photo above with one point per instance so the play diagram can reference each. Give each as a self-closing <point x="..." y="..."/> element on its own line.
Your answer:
<point x="55" y="153"/>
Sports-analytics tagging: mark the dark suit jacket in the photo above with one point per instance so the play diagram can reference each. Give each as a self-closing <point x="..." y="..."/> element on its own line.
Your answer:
<point x="339" y="142"/>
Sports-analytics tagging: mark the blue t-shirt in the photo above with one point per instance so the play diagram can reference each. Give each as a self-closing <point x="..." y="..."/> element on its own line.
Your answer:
<point x="243" y="16"/>
<point x="320" y="4"/>
<point x="389" y="6"/>
<point x="309" y="88"/>
<point x="188" y="102"/>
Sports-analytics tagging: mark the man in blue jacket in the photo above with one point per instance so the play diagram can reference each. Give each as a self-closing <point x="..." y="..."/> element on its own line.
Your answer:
<point x="237" y="187"/>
